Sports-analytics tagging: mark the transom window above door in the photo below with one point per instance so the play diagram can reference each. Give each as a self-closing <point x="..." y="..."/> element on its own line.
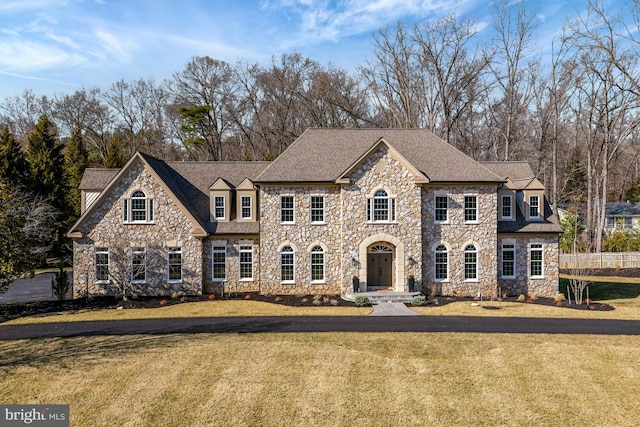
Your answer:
<point x="380" y="249"/>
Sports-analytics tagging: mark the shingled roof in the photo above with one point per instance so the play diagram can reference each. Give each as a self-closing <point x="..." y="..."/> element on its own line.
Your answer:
<point x="324" y="155"/>
<point x="519" y="174"/>
<point x="189" y="182"/>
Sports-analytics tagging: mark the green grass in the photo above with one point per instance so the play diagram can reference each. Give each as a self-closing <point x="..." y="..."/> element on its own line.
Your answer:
<point x="329" y="379"/>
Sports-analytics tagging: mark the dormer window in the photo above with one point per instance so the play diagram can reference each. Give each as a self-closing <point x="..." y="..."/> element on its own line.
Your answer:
<point x="137" y="208"/>
<point x="506" y="208"/>
<point x="534" y="207"/>
<point x="218" y="203"/>
<point x="381" y="207"/>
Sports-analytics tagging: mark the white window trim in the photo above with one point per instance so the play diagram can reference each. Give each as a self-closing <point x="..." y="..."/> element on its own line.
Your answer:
<point x="324" y="265"/>
<point x="127" y="211"/>
<point x="240" y="251"/>
<point x="170" y="251"/>
<point x="435" y="207"/>
<point x="464" y="209"/>
<point x="242" y="207"/>
<point x="216" y="207"/>
<point x="214" y="251"/>
<point x="477" y="263"/>
<point x="514" y="250"/>
<point x="137" y="251"/>
<point x="541" y="250"/>
<point x="510" y="197"/>
<point x="392" y="213"/>
<point x="538" y="206"/>
<point x="293" y="209"/>
<point x="95" y="264"/>
<point x="311" y="209"/>
<point x="293" y="265"/>
<point x="448" y="252"/>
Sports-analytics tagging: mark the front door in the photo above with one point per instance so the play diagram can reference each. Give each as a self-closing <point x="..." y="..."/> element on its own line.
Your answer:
<point x="379" y="267"/>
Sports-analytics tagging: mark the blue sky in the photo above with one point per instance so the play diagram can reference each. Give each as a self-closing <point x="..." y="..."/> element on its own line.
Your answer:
<point x="58" y="46"/>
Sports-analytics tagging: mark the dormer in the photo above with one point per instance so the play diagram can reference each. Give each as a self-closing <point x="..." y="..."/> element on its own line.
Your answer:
<point x="507" y="201"/>
<point x="246" y="201"/>
<point x="220" y="201"/>
<point x="532" y="201"/>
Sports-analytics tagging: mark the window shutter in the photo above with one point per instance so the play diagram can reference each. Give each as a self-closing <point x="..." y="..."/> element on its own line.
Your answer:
<point x="150" y="210"/>
<point x="393" y="210"/>
<point x="125" y="210"/>
<point x="369" y="201"/>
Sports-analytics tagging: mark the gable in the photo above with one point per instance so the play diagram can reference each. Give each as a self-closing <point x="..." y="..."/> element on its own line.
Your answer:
<point x="326" y="155"/>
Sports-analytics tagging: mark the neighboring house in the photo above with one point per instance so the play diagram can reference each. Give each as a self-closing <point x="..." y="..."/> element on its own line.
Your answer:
<point x="379" y="204"/>
<point x="622" y="216"/>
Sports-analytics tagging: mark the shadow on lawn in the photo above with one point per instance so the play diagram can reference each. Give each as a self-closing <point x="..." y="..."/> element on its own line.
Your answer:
<point x="605" y="291"/>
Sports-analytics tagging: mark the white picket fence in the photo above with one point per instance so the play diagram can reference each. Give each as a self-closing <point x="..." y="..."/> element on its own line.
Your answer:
<point x="600" y="260"/>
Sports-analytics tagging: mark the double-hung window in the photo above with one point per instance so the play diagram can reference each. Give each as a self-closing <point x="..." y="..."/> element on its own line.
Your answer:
<point x="219" y="263"/>
<point x="506" y="207"/>
<point x="381" y="207"/>
<point x="245" y="207"/>
<point x="509" y="261"/>
<point x="102" y="264"/>
<point x="174" y="264"/>
<point x="442" y="262"/>
<point x="138" y="265"/>
<point x="470" y="263"/>
<point x="534" y="206"/>
<point x="286" y="210"/>
<point x="218" y="207"/>
<point x="442" y="207"/>
<point x="470" y="208"/>
<point x="317" y="264"/>
<point x="287" y="262"/>
<point x="246" y="262"/>
<point x="317" y="209"/>
<point x="137" y="208"/>
<point x="536" y="260"/>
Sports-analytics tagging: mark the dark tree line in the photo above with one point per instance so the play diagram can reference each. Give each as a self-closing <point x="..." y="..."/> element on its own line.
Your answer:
<point x="571" y="112"/>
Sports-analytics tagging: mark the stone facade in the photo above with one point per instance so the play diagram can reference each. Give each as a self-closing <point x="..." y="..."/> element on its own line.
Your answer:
<point x="105" y="228"/>
<point x="456" y="235"/>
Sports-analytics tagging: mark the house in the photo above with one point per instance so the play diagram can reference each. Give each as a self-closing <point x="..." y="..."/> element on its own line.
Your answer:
<point x="622" y="216"/>
<point x="381" y="205"/>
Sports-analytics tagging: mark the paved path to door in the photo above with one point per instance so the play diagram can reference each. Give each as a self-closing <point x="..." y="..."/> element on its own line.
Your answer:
<point x="392" y="309"/>
<point x="519" y="325"/>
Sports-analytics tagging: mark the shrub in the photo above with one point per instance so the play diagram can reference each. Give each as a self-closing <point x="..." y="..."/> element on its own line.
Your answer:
<point x="183" y="299"/>
<point x="60" y="283"/>
<point x="278" y="299"/>
<point x="362" y="301"/>
<point x="521" y="297"/>
<point x="316" y="302"/>
<point x="559" y="298"/>
<point x="419" y="300"/>
<point x="247" y="296"/>
<point x="333" y="302"/>
<point x="163" y="302"/>
<point x="212" y="297"/>
<point x="174" y="295"/>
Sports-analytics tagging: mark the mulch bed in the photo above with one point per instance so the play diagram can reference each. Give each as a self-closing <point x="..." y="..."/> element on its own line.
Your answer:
<point x="13" y="311"/>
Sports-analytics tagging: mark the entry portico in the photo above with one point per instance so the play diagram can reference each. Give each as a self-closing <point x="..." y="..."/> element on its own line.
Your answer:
<point x="382" y="262"/>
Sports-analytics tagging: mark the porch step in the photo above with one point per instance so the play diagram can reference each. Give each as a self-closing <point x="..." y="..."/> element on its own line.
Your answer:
<point x="382" y="296"/>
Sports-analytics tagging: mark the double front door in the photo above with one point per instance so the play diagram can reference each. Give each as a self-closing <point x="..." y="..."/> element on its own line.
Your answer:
<point x="379" y="267"/>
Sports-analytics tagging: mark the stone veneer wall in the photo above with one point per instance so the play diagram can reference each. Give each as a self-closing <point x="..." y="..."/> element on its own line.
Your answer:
<point x="232" y="280"/>
<point x="106" y="228"/>
<point x="457" y="235"/>
<point x="382" y="171"/>
<point x="546" y="286"/>
<point x="301" y="236"/>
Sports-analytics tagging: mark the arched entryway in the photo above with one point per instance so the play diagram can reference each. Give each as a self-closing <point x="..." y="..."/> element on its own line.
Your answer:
<point x="381" y="263"/>
<point x="380" y="266"/>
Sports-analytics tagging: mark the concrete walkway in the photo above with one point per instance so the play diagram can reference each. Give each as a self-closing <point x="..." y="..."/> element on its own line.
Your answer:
<point x="392" y="309"/>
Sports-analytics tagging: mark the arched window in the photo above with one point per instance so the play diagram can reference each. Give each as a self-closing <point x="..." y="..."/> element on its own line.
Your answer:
<point x="287" y="256"/>
<point x="137" y="208"/>
<point x="441" y="262"/>
<point x="381" y="207"/>
<point x="470" y="262"/>
<point x="317" y="264"/>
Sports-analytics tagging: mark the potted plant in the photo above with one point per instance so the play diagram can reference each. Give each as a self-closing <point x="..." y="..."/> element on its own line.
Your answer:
<point x="411" y="282"/>
<point x="356" y="284"/>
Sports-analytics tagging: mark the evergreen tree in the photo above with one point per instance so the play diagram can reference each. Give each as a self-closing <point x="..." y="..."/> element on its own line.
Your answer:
<point x="115" y="157"/>
<point x="47" y="177"/>
<point x="633" y="193"/>
<point x="13" y="164"/>
<point x="75" y="162"/>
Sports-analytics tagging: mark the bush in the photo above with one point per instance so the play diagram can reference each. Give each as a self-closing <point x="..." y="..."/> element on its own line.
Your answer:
<point x="419" y="300"/>
<point x="60" y="283"/>
<point x="362" y="301"/>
